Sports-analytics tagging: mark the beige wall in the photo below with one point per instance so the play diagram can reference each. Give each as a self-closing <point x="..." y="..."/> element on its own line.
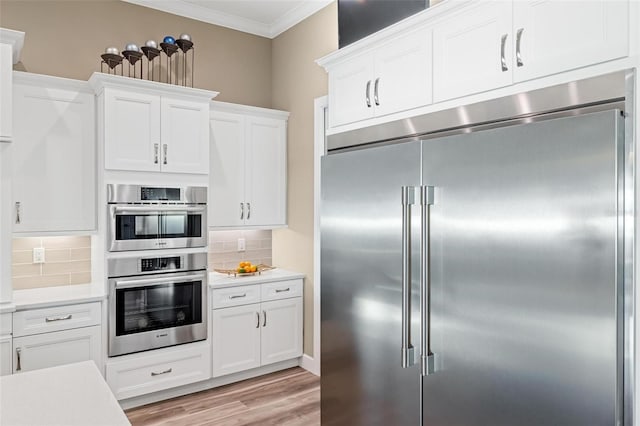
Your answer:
<point x="66" y="39"/>
<point x="297" y="81"/>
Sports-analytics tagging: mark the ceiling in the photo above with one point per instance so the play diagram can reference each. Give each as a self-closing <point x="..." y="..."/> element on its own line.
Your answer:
<point x="266" y="18"/>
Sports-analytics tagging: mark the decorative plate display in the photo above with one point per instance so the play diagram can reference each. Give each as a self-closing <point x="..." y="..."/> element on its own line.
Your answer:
<point x="245" y="269"/>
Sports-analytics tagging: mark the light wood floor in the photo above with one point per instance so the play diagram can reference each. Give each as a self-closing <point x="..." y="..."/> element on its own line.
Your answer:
<point x="290" y="397"/>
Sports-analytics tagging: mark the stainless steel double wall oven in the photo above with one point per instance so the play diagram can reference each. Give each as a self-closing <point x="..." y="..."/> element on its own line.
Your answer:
<point x="159" y="300"/>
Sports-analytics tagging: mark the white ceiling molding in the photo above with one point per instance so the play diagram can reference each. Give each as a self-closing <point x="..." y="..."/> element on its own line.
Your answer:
<point x="240" y="23"/>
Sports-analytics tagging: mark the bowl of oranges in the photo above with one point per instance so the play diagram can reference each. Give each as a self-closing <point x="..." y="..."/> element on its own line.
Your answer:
<point x="245" y="268"/>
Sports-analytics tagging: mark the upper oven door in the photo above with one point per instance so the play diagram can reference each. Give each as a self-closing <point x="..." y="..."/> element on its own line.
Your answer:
<point x="156" y="227"/>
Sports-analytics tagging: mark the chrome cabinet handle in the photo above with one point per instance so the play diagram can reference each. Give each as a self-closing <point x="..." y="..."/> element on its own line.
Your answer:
<point x="264" y="315"/>
<point x="241" y="211"/>
<point x="503" y="60"/>
<point x="156" y="150"/>
<point x="248" y="211"/>
<point x="167" y="371"/>
<point x="164" y="156"/>
<point x="52" y="319"/>
<point x="427" y="358"/>
<point x="19" y="353"/>
<point x="18" y="213"/>
<point x="408" y="198"/>
<point x="375" y="91"/>
<point x="518" y="54"/>
<point x="278" y="290"/>
<point x="238" y="296"/>
<point x="368" y="97"/>
<point x="258" y="318"/>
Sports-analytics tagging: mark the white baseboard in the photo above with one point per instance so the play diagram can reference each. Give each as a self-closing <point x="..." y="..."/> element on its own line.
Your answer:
<point x="310" y="364"/>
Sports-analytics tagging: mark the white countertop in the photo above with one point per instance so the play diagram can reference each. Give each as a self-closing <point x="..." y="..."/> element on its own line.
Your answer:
<point x="217" y="280"/>
<point x="69" y="395"/>
<point x="57" y="296"/>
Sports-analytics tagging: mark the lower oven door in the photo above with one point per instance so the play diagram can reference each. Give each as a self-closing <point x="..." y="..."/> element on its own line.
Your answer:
<point x="156" y="227"/>
<point x="156" y="311"/>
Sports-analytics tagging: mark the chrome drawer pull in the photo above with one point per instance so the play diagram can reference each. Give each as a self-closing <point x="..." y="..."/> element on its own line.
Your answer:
<point x="153" y="373"/>
<point x="18" y="354"/>
<point x="52" y="319"/>
<point x="18" y="213"/>
<point x="282" y="290"/>
<point x="238" y="296"/>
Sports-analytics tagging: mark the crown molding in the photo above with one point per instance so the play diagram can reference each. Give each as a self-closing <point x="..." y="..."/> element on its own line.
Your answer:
<point x="98" y="81"/>
<point x="204" y="14"/>
<point x="218" y="106"/>
<point x="15" y="39"/>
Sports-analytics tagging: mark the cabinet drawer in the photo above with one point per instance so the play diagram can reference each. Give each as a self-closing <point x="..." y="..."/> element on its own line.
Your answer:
<point x="235" y="296"/>
<point x="282" y="290"/>
<point x="5" y="324"/>
<point x="141" y="374"/>
<point x="44" y="320"/>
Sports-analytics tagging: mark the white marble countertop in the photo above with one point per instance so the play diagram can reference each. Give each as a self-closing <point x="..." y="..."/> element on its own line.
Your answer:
<point x="217" y="280"/>
<point x="69" y="395"/>
<point x="57" y="296"/>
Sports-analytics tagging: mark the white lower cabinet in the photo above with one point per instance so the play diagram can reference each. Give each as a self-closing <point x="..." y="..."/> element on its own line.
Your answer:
<point x="57" y="348"/>
<point x="257" y="334"/>
<point x="143" y="373"/>
<point x="5" y="355"/>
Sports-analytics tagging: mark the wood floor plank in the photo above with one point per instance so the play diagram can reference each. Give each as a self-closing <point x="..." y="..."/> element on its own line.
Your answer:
<point x="284" y="398"/>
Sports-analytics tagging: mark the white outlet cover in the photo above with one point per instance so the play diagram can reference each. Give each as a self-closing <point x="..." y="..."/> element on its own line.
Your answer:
<point x="38" y="255"/>
<point x="241" y="244"/>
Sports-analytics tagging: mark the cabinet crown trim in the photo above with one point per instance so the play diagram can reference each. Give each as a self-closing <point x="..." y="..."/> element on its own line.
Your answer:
<point x="427" y="17"/>
<point x="49" y="82"/>
<point x="15" y="39"/>
<point x="99" y="81"/>
<point x="217" y="106"/>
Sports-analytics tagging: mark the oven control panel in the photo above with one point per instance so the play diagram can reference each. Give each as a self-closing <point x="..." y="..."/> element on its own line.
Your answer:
<point x="160" y="264"/>
<point x="159" y="194"/>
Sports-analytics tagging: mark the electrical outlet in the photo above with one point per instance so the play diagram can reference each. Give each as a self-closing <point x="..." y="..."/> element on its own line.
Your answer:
<point x="38" y="255"/>
<point x="241" y="244"/>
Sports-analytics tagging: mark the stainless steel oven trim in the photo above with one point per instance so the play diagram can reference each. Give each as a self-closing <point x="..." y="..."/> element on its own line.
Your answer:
<point x="154" y="339"/>
<point x="122" y="194"/>
<point x="129" y="266"/>
<point x="157" y="243"/>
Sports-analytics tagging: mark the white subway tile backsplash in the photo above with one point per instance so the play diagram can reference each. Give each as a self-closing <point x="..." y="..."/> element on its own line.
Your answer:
<point x="223" y="248"/>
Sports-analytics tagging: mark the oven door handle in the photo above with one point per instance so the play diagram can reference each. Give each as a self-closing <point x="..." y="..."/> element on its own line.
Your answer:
<point x="157" y="209"/>
<point x="160" y="280"/>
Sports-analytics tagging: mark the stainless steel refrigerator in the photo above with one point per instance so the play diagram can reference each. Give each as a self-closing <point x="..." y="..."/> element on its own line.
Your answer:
<point x="476" y="275"/>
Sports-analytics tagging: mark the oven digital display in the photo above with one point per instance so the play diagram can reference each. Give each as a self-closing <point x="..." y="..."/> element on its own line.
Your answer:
<point x="159" y="194"/>
<point x="160" y="264"/>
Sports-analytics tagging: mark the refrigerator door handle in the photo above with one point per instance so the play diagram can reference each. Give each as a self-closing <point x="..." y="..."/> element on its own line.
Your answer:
<point x="427" y="358"/>
<point x="408" y="198"/>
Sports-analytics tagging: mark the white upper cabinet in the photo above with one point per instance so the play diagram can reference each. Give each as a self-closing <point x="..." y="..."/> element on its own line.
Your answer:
<point x="10" y="48"/>
<point x="150" y="126"/>
<point x="553" y="36"/>
<point x="393" y="77"/>
<point x="248" y="178"/>
<point x="54" y="161"/>
<point x="472" y="51"/>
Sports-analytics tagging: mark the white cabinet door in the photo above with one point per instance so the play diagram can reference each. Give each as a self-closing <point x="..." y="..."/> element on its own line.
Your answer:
<point x="351" y="87"/>
<point x="226" y="180"/>
<point x="57" y="348"/>
<point x="266" y="172"/>
<point x="468" y="49"/>
<point x="235" y="339"/>
<point x="54" y="167"/>
<point x="6" y="104"/>
<point x="185" y="136"/>
<point x="131" y="131"/>
<point x="5" y="355"/>
<point x="403" y="73"/>
<point x="557" y="35"/>
<point x="282" y="330"/>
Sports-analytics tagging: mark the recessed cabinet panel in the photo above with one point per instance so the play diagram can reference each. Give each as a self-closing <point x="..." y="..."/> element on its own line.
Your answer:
<point x="403" y="74"/>
<point x="226" y="188"/>
<point x="185" y="136"/>
<point x="266" y="172"/>
<point x="282" y="330"/>
<point x="560" y="35"/>
<point x="54" y="167"/>
<point x="236" y="339"/>
<point x="6" y="104"/>
<point x="131" y="130"/>
<point x="5" y="355"/>
<point x="57" y="348"/>
<point x="351" y="85"/>
<point x="472" y="51"/>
